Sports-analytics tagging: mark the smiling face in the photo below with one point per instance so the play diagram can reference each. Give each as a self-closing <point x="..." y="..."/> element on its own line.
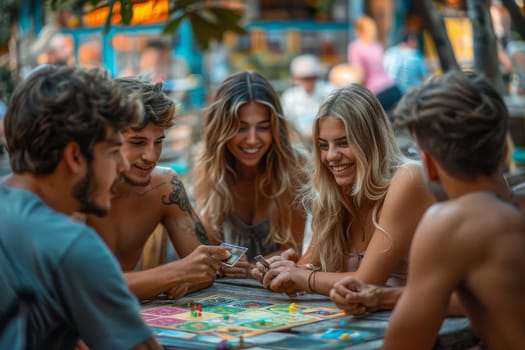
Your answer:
<point x="93" y="191"/>
<point x="142" y="149"/>
<point x="335" y="150"/>
<point x="254" y="136"/>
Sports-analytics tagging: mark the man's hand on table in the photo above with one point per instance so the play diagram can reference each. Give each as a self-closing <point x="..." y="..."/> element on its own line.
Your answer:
<point x="355" y="297"/>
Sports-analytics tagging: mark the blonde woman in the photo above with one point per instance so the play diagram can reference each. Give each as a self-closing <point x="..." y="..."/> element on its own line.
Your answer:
<point x="247" y="174"/>
<point x="366" y="200"/>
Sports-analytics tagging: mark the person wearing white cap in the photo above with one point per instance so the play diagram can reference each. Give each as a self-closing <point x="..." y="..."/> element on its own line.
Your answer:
<point x="301" y="102"/>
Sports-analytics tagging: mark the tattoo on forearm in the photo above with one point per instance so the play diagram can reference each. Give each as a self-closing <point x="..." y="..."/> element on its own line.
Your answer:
<point x="201" y="233"/>
<point x="179" y="197"/>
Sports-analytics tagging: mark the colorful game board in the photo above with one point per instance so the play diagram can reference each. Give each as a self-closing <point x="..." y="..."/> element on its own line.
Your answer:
<point x="228" y="317"/>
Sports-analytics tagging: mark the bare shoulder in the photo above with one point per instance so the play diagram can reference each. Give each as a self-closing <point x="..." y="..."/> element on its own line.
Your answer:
<point x="410" y="173"/>
<point x="472" y="221"/>
<point x="162" y="175"/>
<point x="407" y="188"/>
<point x="167" y="185"/>
<point x="166" y="179"/>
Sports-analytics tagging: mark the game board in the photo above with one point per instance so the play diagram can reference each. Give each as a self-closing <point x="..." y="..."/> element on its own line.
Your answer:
<point x="230" y="317"/>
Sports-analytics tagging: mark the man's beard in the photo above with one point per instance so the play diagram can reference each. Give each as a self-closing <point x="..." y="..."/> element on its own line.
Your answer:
<point x="83" y="190"/>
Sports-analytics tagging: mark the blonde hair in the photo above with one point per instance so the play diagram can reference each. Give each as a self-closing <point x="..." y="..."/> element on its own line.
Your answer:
<point x="282" y="171"/>
<point x="366" y="29"/>
<point x="378" y="157"/>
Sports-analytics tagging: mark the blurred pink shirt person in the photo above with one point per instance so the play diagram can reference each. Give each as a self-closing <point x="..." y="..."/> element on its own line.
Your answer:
<point x="370" y="56"/>
<point x="367" y="52"/>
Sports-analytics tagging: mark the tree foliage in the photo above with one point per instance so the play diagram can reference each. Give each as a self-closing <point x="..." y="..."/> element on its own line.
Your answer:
<point x="209" y="22"/>
<point x="484" y="42"/>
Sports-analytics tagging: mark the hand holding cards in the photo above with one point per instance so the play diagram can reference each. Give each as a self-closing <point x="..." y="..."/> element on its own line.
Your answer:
<point x="236" y="253"/>
<point x="262" y="261"/>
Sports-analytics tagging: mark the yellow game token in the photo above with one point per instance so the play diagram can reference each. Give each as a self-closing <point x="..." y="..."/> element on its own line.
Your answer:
<point x="292" y="307"/>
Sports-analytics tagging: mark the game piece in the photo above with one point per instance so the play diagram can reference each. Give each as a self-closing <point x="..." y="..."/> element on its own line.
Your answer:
<point x="345" y="336"/>
<point x="292" y="308"/>
<point x="342" y="322"/>
<point x="226" y="317"/>
<point x="236" y="253"/>
<point x="262" y="322"/>
<point x="262" y="260"/>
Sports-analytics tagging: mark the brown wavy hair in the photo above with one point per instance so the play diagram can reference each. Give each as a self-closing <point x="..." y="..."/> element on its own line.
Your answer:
<point x="56" y="105"/>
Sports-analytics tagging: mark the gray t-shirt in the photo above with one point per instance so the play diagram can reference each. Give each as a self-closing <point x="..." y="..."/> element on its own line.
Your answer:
<point x="80" y="289"/>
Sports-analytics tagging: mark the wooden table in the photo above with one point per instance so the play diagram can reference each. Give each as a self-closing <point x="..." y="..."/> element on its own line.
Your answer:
<point x="455" y="333"/>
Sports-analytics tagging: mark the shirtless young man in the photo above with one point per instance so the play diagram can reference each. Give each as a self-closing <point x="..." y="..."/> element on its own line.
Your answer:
<point x="149" y="195"/>
<point x="474" y="243"/>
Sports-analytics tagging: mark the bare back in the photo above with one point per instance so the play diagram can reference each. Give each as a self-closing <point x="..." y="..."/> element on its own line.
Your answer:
<point x="474" y="245"/>
<point x="136" y="212"/>
<point x="493" y="291"/>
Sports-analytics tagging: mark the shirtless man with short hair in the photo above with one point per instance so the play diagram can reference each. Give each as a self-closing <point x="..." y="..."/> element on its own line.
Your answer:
<point x="151" y="195"/>
<point x="474" y="243"/>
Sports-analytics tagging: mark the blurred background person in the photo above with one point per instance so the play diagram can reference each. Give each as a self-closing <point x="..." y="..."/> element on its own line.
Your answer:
<point x="301" y="101"/>
<point x="404" y="62"/>
<point x="52" y="47"/>
<point x="368" y="52"/>
<point x="343" y="74"/>
<point x="155" y="61"/>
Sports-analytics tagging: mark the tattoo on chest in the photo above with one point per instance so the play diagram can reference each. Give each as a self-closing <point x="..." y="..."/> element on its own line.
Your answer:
<point x="179" y="197"/>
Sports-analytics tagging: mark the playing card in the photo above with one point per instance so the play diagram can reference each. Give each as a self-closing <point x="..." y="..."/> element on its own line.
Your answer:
<point x="236" y="253"/>
<point x="262" y="260"/>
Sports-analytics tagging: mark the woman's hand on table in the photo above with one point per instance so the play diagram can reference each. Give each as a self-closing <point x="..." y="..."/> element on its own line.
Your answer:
<point x="290" y="254"/>
<point x="259" y="270"/>
<point x="284" y="276"/>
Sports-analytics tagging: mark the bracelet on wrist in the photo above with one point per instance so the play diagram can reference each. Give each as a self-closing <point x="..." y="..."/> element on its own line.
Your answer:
<point x="311" y="277"/>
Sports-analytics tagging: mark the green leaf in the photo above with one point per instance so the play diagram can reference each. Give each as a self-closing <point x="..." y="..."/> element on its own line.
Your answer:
<point x="54" y="4"/>
<point x="126" y="11"/>
<point x="173" y="25"/>
<point x="204" y="30"/>
<point x="227" y="20"/>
